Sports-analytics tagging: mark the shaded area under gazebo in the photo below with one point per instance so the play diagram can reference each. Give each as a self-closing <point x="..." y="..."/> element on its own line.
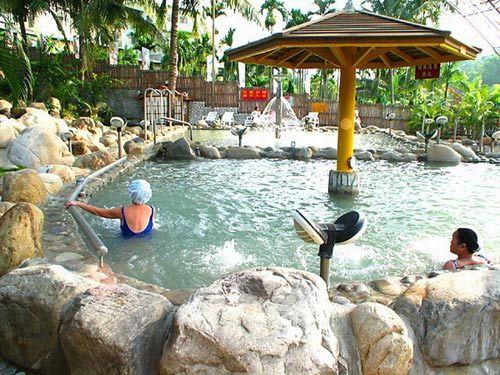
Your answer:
<point x="350" y="40"/>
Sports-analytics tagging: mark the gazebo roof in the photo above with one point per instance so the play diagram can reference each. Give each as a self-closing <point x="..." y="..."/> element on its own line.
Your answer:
<point x="354" y="38"/>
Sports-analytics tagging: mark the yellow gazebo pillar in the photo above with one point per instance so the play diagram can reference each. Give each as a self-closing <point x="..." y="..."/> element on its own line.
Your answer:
<point x="345" y="179"/>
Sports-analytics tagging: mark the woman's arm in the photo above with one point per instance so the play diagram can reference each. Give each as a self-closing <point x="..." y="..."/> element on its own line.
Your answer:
<point x="108" y="213"/>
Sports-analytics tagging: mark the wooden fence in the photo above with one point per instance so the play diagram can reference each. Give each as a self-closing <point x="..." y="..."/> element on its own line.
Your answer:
<point x="227" y="94"/>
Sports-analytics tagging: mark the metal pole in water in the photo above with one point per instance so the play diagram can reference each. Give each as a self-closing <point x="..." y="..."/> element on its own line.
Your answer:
<point x="324" y="270"/>
<point x="119" y="143"/>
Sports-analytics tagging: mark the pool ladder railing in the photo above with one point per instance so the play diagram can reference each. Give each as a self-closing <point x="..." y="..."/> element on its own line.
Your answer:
<point x="95" y="242"/>
<point x="172" y="120"/>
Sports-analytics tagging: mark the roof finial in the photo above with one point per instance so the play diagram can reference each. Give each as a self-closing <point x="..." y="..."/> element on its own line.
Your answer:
<point x="349" y="6"/>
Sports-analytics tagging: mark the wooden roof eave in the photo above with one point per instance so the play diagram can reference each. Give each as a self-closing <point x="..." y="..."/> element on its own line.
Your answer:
<point x="268" y="45"/>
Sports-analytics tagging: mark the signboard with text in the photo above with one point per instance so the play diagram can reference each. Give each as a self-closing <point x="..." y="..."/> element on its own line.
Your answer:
<point x="427" y="71"/>
<point x="254" y="94"/>
<point x="320" y="107"/>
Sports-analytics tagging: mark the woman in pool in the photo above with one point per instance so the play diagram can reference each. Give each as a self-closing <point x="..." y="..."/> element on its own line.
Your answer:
<point x="136" y="219"/>
<point x="464" y="244"/>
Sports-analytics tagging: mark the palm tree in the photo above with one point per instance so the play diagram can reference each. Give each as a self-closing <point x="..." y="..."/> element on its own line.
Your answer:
<point x="296" y="18"/>
<point x="242" y="7"/>
<point x="16" y="68"/>
<point x="97" y="21"/>
<point x="271" y="7"/>
<point x="324" y="7"/>
<point x="24" y="11"/>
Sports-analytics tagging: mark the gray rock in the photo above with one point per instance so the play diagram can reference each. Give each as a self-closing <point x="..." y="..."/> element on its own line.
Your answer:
<point x="242" y="153"/>
<point x="302" y="153"/>
<point x="115" y="329"/>
<point x="258" y="321"/>
<point x="209" y="152"/>
<point x="36" y="147"/>
<point x="466" y="152"/>
<point x="383" y="340"/>
<point x="330" y="153"/>
<point x="179" y="149"/>
<point x="455" y="317"/>
<point x="365" y="155"/>
<point x="31" y="302"/>
<point x="24" y="186"/>
<point x="20" y="235"/>
<point x="440" y="153"/>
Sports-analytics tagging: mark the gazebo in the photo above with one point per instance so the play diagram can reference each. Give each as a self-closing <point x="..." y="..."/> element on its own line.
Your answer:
<point x="350" y="40"/>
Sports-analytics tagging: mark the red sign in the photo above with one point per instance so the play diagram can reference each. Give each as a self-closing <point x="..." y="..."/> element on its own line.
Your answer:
<point x="254" y="94"/>
<point x="427" y="71"/>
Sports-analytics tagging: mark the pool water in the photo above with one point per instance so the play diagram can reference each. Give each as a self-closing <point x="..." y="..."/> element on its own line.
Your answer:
<point x="301" y="138"/>
<point x="219" y="216"/>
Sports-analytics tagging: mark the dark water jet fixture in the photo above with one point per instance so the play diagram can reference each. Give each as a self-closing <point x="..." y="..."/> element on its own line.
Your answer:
<point x="239" y="131"/>
<point x="346" y="229"/>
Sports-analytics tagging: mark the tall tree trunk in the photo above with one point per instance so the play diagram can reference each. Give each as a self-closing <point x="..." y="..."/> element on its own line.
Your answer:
<point x="24" y="34"/>
<point x="172" y="76"/>
<point x="213" y="52"/>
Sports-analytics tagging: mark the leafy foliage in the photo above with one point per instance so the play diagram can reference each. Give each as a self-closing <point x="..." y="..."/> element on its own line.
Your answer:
<point x="16" y="68"/>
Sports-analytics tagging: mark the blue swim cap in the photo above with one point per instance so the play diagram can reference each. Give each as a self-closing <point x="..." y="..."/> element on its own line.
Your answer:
<point x="139" y="191"/>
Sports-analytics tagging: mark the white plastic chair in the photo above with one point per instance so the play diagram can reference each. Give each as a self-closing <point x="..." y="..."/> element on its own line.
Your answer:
<point x="227" y="119"/>
<point x="211" y="117"/>
<point x="311" y="120"/>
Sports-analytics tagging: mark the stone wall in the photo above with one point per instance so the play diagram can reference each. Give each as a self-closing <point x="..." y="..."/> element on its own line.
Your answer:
<point x="124" y="103"/>
<point x="266" y="320"/>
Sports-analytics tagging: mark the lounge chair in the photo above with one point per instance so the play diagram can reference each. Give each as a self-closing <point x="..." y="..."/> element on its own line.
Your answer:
<point x="211" y="117"/>
<point x="227" y="119"/>
<point x="311" y="121"/>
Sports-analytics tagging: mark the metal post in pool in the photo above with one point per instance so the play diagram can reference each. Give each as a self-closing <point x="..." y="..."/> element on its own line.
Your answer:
<point x="118" y="123"/>
<point x="279" y="104"/>
<point x="390" y="116"/>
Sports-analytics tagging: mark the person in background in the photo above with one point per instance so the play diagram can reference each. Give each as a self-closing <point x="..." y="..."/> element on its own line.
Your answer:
<point x="136" y="218"/>
<point x="464" y="243"/>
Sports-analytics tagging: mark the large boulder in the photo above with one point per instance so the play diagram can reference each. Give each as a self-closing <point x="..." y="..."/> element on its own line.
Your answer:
<point x="7" y="134"/>
<point x="365" y="155"/>
<point x="115" y="329"/>
<point x="35" y="117"/>
<point x="242" y="153"/>
<point x="209" y="152"/>
<point x="440" y="153"/>
<point x="23" y="186"/>
<point x="330" y="153"/>
<point x="16" y="125"/>
<point x="466" y="152"/>
<point x="302" y="153"/>
<point x="258" y="321"/>
<point x="85" y="123"/>
<point x="455" y="317"/>
<point x="31" y="303"/>
<point x="66" y="173"/>
<point x="383" y="340"/>
<point x="134" y="146"/>
<point x="53" y="183"/>
<point x="20" y="235"/>
<point x="180" y="149"/>
<point x="96" y="160"/>
<point x="36" y="147"/>
<point x="5" y="107"/>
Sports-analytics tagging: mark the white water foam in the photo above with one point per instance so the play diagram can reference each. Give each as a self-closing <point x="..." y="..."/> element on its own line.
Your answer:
<point x="225" y="258"/>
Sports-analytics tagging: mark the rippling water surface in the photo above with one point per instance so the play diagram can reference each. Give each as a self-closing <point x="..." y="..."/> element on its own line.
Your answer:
<point x="219" y="216"/>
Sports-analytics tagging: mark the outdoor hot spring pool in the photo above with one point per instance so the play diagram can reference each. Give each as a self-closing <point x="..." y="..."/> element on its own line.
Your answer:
<point x="220" y="216"/>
